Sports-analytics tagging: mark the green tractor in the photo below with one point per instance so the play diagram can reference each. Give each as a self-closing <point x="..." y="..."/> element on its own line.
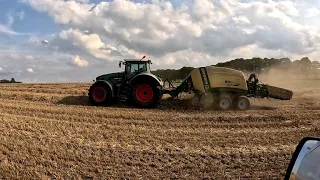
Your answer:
<point x="136" y="84"/>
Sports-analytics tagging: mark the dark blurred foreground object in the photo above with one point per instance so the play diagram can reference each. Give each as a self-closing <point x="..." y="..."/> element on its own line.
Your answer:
<point x="305" y="162"/>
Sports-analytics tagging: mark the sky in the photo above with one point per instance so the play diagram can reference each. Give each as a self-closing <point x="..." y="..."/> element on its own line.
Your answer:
<point x="77" y="40"/>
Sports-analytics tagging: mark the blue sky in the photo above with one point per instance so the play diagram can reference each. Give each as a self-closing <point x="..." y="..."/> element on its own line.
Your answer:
<point x="34" y="22"/>
<point x="61" y="40"/>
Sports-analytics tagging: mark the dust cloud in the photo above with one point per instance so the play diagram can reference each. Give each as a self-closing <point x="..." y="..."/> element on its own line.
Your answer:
<point x="305" y="85"/>
<point x="291" y="80"/>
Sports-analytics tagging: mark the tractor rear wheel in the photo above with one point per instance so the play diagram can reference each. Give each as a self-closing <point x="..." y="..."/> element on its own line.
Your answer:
<point x="144" y="95"/>
<point x="242" y="103"/>
<point x="224" y="102"/>
<point x="100" y="94"/>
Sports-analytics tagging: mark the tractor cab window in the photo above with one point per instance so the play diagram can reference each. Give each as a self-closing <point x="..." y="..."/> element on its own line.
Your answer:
<point x="133" y="68"/>
<point x="142" y="67"/>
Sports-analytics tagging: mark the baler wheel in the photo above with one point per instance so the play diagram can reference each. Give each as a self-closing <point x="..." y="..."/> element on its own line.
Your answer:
<point x="194" y="102"/>
<point x="206" y="101"/>
<point x="224" y="102"/>
<point x="242" y="103"/>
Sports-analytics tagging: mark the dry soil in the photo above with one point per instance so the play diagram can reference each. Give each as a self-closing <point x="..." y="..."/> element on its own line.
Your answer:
<point x="49" y="131"/>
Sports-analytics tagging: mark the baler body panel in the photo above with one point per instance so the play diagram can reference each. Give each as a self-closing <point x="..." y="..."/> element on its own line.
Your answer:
<point x="210" y="78"/>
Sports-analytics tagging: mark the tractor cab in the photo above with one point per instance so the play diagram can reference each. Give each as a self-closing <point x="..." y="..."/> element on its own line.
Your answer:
<point x="134" y="67"/>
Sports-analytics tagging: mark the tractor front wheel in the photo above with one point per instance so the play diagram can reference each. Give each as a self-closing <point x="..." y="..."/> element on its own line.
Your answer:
<point x="100" y="94"/>
<point x="144" y="95"/>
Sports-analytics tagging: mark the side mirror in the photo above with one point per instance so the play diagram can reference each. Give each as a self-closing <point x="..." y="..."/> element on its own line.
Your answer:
<point x="120" y="64"/>
<point x="305" y="162"/>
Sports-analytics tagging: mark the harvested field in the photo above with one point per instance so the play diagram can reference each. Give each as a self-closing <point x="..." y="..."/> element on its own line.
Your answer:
<point x="49" y="131"/>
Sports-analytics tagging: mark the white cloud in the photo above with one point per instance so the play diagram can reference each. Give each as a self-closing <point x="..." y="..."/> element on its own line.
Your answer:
<point x="141" y="27"/>
<point x="158" y="28"/>
<point x="81" y="1"/>
<point x="63" y="12"/>
<point x="1" y="69"/>
<point x="312" y="12"/>
<point x="74" y="41"/>
<point x="79" y="62"/>
<point x="30" y="70"/>
<point x="193" y="33"/>
<point x="11" y="19"/>
<point x="28" y="57"/>
<point x="184" y="58"/>
<point x="13" y="16"/>
<point x="7" y="30"/>
<point x="13" y="56"/>
<point x="287" y="7"/>
<point x="241" y="20"/>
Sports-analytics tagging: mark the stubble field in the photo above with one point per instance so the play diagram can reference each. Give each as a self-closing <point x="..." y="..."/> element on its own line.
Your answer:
<point x="49" y="131"/>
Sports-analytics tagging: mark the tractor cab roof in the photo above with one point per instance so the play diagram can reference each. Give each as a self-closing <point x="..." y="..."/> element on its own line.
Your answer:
<point x="137" y="60"/>
<point x="133" y="61"/>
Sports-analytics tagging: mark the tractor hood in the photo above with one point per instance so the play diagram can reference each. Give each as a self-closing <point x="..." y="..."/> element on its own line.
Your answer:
<point x="109" y="76"/>
<point x="160" y="81"/>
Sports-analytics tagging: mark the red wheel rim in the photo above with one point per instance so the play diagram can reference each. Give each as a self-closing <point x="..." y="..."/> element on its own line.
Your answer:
<point x="144" y="93"/>
<point x="99" y="94"/>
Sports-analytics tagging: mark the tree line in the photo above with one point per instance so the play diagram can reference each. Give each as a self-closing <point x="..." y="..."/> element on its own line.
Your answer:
<point x="9" y="81"/>
<point x="304" y="67"/>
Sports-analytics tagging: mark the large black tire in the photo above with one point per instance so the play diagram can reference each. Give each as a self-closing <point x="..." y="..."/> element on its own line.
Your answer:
<point x="242" y="103"/>
<point x="145" y="95"/>
<point x="100" y="94"/>
<point x="224" y="102"/>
